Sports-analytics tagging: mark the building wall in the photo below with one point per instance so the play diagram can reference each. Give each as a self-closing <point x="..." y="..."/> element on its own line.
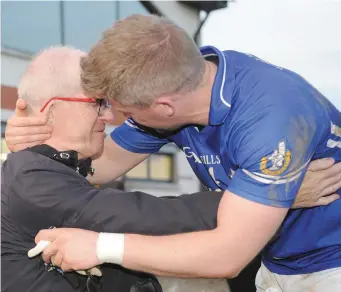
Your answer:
<point x="30" y="26"/>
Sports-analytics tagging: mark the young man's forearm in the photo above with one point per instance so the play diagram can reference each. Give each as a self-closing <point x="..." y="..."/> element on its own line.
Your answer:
<point x="161" y="255"/>
<point x="243" y="229"/>
<point x="114" y="162"/>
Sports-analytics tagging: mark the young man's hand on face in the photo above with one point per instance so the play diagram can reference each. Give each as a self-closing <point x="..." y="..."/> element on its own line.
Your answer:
<point x="23" y="131"/>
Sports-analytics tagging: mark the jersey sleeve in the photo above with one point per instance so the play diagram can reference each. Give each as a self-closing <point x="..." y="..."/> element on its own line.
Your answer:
<point x="272" y="153"/>
<point x="130" y="137"/>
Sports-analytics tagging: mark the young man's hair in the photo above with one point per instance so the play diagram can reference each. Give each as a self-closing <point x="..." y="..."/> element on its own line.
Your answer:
<point x="140" y="59"/>
<point x="53" y="72"/>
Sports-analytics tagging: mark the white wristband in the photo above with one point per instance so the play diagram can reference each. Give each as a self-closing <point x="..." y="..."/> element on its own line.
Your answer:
<point x="110" y="248"/>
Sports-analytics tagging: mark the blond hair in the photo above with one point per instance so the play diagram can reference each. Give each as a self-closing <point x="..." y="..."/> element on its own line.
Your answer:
<point x="140" y="59"/>
<point x="53" y="72"/>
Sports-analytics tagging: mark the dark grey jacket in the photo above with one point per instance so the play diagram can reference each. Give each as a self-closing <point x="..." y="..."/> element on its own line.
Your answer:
<point x="38" y="192"/>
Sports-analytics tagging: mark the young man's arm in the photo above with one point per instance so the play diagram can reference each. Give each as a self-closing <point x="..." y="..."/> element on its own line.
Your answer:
<point x="130" y="146"/>
<point x="219" y="253"/>
<point x="114" y="162"/>
<point x="244" y="227"/>
<point x="256" y="203"/>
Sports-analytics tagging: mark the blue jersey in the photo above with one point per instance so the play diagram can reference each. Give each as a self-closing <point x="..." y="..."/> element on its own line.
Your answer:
<point x="266" y="124"/>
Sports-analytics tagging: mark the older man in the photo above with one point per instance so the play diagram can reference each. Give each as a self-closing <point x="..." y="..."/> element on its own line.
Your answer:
<point x="248" y="128"/>
<point x="44" y="186"/>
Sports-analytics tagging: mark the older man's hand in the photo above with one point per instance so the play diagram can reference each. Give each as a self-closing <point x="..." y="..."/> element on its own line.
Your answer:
<point x="320" y="184"/>
<point x="23" y="131"/>
<point x="71" y="248"/>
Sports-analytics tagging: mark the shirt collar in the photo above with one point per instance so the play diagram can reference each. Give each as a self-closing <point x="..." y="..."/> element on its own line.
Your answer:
<point x="223" y="87"/>
<point x="68" y="158"/>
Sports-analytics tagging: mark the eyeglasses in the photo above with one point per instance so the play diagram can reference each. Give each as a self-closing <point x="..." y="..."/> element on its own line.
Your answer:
<point x="103" y="104"/>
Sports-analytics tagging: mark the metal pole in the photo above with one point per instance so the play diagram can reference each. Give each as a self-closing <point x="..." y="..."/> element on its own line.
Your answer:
<point x="62" y="22"/>
<point x="117" y="10"/>
<point x="196" y="35"/>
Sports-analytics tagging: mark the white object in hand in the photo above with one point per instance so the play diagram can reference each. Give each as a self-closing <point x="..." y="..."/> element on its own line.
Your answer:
<point x="44" y="243"/>
<point x="38" y="248"/>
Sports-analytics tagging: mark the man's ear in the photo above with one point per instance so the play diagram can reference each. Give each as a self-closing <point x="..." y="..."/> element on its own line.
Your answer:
<point x="166" y="105"/>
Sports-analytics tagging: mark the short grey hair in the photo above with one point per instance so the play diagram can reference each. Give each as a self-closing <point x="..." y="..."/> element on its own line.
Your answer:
<point x="53" y="72"/>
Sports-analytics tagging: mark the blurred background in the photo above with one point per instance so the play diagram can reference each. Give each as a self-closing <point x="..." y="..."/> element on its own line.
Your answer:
<point x="302" y="35"/>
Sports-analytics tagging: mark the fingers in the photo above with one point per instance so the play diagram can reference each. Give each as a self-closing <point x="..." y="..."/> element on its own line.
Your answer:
<point x="331" y="180"/>
<point x="96" y="272"/>
<point x="332" y="171"/>
<point x="93" y="271"/>
<point x="38" y="248"/>
<point x="57" y="259"/>
<point x="65" y="267"/>
<point x="331" y="189"/>
<point x="53" y="259"/>
<point x="20" y="108"/>
<point x="323" y="201"/>
<point x="321" y="164"/>
<point x="28" y="121"/>
<point x="48" y="234"/>
<point x="23" y="131"/>
<point x="19" y="147"/>
<point x="49" y="251"/>
<point x="15" y="140"/>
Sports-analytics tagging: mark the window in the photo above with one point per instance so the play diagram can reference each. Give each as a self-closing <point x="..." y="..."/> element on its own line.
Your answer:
<point x="82" y="26"/>
<point x="158" y="167"/>
<point x="29" y="26"/>
<point x="84" y="21"/>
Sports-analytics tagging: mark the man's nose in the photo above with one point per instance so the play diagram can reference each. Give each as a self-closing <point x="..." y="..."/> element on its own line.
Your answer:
<point x="108" y="116"/>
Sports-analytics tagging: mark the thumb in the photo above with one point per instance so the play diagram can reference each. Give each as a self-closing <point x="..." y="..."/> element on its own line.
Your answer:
<point x="48" y="235"/>
<point x="20" y="108"/>
<point x="321" y="164"/>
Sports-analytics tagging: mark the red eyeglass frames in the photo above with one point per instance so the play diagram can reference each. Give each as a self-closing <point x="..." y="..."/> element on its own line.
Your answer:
<point x="102" y="103"/>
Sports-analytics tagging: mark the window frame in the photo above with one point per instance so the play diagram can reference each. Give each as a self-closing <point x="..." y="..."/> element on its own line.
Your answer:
<point x="149" y="178"/>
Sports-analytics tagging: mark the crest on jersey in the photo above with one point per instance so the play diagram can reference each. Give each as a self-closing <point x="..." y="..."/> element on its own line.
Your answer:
<point x="277" y="162"/>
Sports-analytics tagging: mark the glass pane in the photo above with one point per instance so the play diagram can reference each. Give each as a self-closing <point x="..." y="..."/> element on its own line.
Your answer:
<point x="127" y="8"/>
<point x="140" y="171"/>
<point x="30" y="26"/>
<point x="4" y="150"/>
<point x="161" y="167"/>
<point x="84" y="21"/>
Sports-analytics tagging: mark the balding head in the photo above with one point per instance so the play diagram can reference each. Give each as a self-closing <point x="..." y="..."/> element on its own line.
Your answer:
<point x="53" y="72"/>
<point x="77" y="122"/>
